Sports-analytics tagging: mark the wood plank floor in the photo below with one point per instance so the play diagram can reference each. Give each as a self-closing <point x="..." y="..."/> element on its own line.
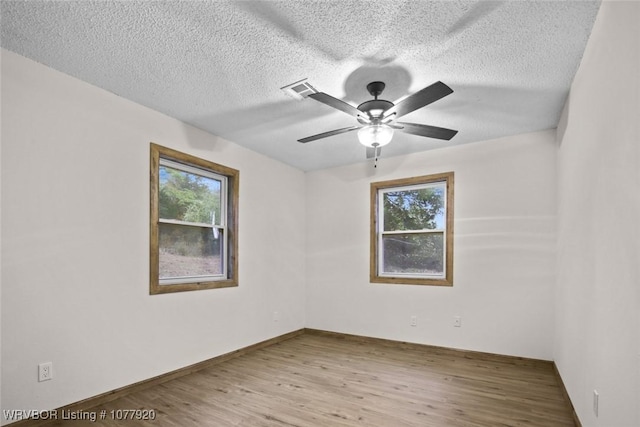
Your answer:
<point x="319" y="379"/>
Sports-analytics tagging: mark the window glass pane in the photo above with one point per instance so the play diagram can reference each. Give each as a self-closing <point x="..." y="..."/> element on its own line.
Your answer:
<point x="414" y="209"/>
<point x="413" y="253"/>
<point x="188" y="196"/>
<point x="189" y="251"/>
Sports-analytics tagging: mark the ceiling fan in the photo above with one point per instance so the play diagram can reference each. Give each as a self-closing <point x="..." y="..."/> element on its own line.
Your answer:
<point x="377" y="117"/>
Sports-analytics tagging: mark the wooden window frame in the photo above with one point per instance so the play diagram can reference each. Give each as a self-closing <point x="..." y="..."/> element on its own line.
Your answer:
<point x="374" y="276"/>
<point x="233" y="178"/>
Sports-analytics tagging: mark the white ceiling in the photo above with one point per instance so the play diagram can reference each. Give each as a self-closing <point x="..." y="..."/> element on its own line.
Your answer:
<point x="219" y="65"/>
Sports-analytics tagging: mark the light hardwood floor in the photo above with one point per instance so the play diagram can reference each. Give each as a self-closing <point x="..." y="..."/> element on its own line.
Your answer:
<point x="322" y="379"/>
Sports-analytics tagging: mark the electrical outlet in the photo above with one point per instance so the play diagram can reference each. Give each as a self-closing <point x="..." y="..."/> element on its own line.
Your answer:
<point x="596" y="397"/>
<point x="276" y="316"/>
<point x="457" y="321"/>
<point x="45" y="371"/>
<point x="414" y="320"/>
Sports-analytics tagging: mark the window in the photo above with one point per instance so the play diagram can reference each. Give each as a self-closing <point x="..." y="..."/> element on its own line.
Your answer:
<point x="194" y="227"/>
<point x="412" y="231"/>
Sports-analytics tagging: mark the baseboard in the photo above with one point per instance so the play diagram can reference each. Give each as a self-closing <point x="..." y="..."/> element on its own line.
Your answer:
<point x="576" y="420"/>
<point x="109" y="396"/>
<point x="467" y="353"/>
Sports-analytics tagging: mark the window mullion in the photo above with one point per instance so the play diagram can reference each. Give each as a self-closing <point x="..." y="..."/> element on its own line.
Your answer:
<point x="192" y="224"/>
<point x="424" y="231"/>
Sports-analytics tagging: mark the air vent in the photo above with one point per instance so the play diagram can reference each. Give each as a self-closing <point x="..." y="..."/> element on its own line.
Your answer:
<point x="299" y="90"/>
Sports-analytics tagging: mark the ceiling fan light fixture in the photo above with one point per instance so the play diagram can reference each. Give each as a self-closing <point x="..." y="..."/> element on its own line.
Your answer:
<point x="375" y="135"/>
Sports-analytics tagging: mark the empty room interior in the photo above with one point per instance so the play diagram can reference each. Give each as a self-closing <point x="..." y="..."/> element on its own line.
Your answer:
<point x="381" y="213"/>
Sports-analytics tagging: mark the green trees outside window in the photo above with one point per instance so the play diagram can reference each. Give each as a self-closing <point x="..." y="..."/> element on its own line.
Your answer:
<point x="193" y="222"/>
<point x="412" y="230"/>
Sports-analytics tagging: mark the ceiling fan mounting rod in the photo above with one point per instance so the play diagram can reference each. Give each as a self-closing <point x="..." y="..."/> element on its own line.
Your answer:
<point x="376" y="89"/>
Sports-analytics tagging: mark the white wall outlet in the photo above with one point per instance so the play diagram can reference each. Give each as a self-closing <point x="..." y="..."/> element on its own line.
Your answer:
<point x="414" y="320"/>
<point x="45" y="371"/>
<point x="596" y="397"/>
<point x="276" y="316"/>
<point x="457" y="321"/>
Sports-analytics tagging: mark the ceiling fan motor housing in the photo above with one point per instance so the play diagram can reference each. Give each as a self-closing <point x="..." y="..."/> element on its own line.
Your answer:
<point x="374" y="108"/>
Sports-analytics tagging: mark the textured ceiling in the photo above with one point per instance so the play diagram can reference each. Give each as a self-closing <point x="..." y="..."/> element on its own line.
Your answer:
<point x="220" y="65"/>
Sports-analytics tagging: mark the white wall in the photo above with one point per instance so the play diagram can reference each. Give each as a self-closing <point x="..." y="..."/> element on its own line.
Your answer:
<point x="504" y="250"/>
<point x="74" y="181"/>
<point x="597" y="346"/>
<point x="75" y="221"/>
<point x="0" y="242"/>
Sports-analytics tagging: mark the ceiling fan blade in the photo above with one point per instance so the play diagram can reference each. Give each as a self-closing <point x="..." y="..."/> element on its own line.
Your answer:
<point x="419" y="99"/>
<point x="330" y="133"/>
<point x="338" y="105"/>
<point x="428" y="131"/>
